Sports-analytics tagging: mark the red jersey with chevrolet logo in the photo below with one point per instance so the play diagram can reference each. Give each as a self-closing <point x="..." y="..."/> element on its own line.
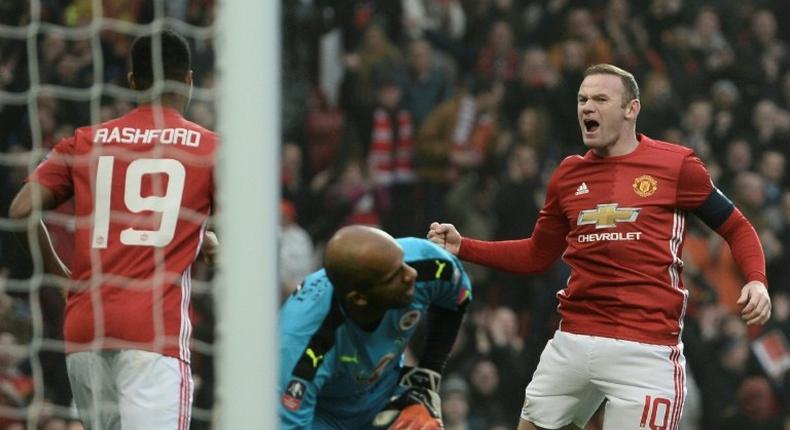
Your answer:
<point x="619" y="223"/>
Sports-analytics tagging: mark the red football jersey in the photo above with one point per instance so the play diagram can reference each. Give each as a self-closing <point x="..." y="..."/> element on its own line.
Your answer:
<point x="143" y="188"/>
<point x="619" y="223"/>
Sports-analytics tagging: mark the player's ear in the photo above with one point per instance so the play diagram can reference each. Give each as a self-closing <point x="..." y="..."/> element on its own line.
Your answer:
<point x="632" y="110"/>
<point x="188" y="81"/>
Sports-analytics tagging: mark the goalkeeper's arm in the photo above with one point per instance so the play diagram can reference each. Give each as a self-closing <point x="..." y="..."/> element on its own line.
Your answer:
<point x="419" y="406"/>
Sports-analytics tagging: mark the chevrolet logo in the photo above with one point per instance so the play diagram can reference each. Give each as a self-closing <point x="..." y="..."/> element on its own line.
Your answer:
<point x="607" y="215"/>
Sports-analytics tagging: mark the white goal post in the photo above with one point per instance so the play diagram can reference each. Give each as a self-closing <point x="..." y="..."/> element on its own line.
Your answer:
<point x="248" y="66"/>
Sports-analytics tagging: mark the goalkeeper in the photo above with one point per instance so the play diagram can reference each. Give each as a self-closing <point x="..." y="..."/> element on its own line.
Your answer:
<point x="343" y="333"/>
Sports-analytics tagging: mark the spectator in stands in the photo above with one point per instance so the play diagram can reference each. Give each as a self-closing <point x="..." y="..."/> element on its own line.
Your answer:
<point x="727" y="363"/>
<point x="349" y="199"/>
<point x="536" y="85"/>
<point x="16" y="387"/>
<point x="660" y="104"/>
<point x="323" y="132"/>
<point x="682" y="66"/>
<point x="726" y="110"/>
<point x="488" y="408"/>
<point x="376" y="56"/>
<point x="457" y="138"/>
<point x="390" y="159"/>
<point x="737" y="158"/>
<point x="760" y="55"/>
<point x="630" y="43"/>
<point x="749" y="194"/>
<point x="593" y="47"/>
<point x="297" y="257"/>
<point x="709" y="45"/>
<point x="428" y="82"/>
<point x="533" y="129"/>
<point x="768" y="128"/>
<point x="468" y="204"/>
<point x="498" y="59"/>
<point x="772" y="168"/>
<point x="455" y="405"/>
<point x="509" y="355"/>
<point x="757" y="407"/>
<point x="697" y="122"/>
<point x="293" y="183"/>
<point x="515" y="208"/>
<point x="444" y="20"/>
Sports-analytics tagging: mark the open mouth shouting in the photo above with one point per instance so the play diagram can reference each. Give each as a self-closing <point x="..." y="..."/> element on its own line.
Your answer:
<point x="591" y="126"/>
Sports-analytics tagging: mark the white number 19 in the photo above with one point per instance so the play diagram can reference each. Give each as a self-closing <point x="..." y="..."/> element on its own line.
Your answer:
<point x="168" y="204"/>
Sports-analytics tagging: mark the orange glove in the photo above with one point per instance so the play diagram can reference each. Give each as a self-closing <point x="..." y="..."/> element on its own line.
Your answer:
<point x="416" y="417"/>
<point x="417" y="408"/>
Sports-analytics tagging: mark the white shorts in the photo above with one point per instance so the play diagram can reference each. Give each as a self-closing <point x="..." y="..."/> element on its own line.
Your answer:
<point x="131" y="390"/>
<point x="644" y="384"/>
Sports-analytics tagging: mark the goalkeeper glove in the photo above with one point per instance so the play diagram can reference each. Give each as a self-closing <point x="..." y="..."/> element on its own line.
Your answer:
<point x="417" y="408"/>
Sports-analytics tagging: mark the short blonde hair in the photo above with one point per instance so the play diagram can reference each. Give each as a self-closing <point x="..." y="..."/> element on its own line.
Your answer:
<point x="629" y="82"/>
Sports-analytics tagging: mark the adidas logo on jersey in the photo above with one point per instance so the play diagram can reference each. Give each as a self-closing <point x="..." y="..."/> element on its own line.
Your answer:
<point x="582" y="189"/>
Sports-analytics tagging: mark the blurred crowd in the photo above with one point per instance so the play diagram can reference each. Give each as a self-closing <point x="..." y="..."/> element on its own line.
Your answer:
<point x="399" y="113"/>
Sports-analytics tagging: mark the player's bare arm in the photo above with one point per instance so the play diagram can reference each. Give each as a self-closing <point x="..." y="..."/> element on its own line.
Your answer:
<point x="756" y="303"/>
<point x="446" y="236"/>
<point x="52" y="262"/>
<point x="22" y="207"/>
<point x="23" y="204"/>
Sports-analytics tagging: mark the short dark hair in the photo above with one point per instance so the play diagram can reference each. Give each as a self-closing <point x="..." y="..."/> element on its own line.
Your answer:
<point x="176" y="58"/>
<point x="629" y="82"/>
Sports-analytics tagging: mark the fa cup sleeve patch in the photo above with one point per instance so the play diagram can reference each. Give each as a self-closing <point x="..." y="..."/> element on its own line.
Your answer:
<point x="292" y="397"/>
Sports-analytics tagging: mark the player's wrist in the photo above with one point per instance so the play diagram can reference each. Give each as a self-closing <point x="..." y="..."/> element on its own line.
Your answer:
<point x="757" y="277"/>
<point x="421" y="377"/>
<point x="460" y="250"/>
<point x="418" y="403"/>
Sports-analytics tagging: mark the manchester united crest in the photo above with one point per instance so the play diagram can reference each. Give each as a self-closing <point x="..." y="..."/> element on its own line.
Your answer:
<point x="645" y="186"/>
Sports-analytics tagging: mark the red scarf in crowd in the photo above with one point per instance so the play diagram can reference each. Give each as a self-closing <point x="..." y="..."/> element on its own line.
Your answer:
<point x="389" y="159"/>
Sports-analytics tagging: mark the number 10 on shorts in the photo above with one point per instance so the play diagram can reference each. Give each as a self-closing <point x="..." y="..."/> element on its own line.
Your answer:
<point x="656" y="409"/>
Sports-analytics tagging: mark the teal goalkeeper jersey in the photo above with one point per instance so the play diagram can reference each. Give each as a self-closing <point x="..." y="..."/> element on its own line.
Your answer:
<point x="330" y="365"/>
